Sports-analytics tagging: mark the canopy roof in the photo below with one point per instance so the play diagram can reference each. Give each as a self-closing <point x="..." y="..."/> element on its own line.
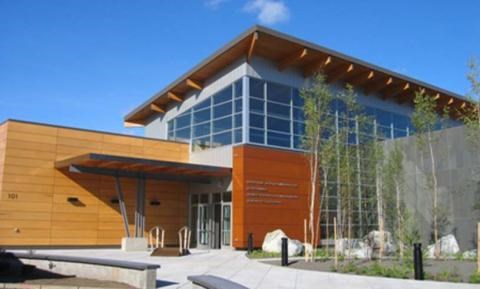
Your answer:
<point x="137" y="167"/>
<point x="287" y="51"/>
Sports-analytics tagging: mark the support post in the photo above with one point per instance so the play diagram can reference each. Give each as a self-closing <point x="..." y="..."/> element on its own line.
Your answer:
<point x="417" y="261"/>
<point x="478" y="247"/>
<point x="121" y="203"/>
<point x="284" y="251"/>
<point x="250" y="243"/>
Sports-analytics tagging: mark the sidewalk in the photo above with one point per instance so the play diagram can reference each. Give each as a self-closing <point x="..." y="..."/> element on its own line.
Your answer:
<point x="234" y="266"/>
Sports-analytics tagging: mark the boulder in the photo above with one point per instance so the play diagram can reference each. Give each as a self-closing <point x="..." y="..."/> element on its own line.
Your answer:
<point x="273" y="243"/>
<point x="358" y="248"/>
<point x="448" y="247"/>
<point x="470" y="255"/>
<point x="373" y="238"/>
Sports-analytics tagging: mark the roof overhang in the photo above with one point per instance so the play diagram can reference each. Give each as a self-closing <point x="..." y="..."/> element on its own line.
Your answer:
<point x="121" y="166"/>
<point x="287" y="51"/>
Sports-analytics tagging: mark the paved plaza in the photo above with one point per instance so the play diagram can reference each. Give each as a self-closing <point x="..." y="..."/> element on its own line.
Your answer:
<point x="235" y="266"/>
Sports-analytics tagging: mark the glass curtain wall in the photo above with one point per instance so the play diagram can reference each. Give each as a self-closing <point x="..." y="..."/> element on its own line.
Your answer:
<point x="276" y="119"/>
<point x="214" y="122"/>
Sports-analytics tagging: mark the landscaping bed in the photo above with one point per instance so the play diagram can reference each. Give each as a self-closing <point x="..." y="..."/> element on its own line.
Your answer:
<point x="438" y="270"/>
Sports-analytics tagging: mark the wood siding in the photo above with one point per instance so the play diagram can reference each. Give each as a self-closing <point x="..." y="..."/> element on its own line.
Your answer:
<point x="33" y="195"/>
<point x="270" y="191"/>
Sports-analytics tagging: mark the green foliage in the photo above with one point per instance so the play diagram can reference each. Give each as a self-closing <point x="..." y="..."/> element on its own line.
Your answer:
<point x="260" y="254"/>
<point x="403" y="271"/>
<point x="445" y="276"/>
<point x="475" y="278"/>
<point x="324" y="253"/>
<point x="459" y="256"/>
<point x="470" y="114"/>
<point x="424" y="117"/>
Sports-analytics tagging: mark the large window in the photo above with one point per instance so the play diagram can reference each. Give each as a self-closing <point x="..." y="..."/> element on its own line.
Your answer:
<point x="276" y="117"/>
<point x="214" y="122"/>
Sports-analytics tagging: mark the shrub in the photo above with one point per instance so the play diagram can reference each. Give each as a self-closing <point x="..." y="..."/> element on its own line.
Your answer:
<point x="475" y="277"/>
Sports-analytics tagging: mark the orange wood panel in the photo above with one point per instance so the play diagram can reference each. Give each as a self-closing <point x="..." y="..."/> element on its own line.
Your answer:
<point x="270" y="191"/>
<point x="33" y="195"/>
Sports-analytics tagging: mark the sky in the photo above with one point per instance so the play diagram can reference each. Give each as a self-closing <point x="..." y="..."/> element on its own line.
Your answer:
<point x="87" y="63"/>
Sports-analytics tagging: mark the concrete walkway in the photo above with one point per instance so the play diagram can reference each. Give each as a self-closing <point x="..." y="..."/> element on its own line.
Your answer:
<point x="234" y="266"/>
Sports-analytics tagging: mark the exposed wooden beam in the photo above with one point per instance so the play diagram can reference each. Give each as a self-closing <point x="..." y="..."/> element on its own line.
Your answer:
<point x="131" y="124"/>
<point x="292" y="58"/>
<point x="174" y="97"/>
<point x="316" y="66"/>
<point x="436" y="97"/>
<point x="339" y="73"/>
<point x="464" y="104"/>
<point x="450" y="101"/>
<point x="251" y="48"/>
<point x="361" y="78"/>
<point x="156" y="108"/>
<point x="377" y="86"/>
<point x="395" y="90"/>
<point x="194" y="84"/>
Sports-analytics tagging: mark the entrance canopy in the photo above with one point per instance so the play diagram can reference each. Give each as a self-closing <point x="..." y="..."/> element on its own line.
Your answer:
<point x="140" y="169"/>
<point x="130" y="167"/>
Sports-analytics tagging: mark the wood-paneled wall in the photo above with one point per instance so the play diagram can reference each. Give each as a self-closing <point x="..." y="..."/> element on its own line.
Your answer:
<point x="33" y="195"/>
<point x="270" y="191"/>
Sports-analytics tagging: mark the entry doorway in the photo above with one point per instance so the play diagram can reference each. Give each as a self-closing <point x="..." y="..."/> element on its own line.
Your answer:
<point x="211" y="219"/>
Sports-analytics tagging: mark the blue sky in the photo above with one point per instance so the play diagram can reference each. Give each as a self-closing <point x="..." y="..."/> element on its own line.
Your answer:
<point x="88" y="63"/>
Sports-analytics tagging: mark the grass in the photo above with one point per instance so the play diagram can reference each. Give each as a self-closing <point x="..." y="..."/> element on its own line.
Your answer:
<point x="403" y="271"/>
<point x="445" y="276"/>
<point x="260" y="254"/>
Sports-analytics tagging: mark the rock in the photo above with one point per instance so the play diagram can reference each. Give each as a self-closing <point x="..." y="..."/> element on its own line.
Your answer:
<point x="372" y="240"/>
<point x="296" y="247"/>
<point x="470" y="255"/>
<point x="448" y="247"/>
<point x="358" y="248"/>
<point x="273" y="243"/>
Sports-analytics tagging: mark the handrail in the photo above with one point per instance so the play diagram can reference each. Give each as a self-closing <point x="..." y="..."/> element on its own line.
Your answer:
<point x="157" y="230"/>
<point x="184" y="240"/>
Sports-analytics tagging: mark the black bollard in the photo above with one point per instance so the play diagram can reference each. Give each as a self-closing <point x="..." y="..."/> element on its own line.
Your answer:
<point x="417" y="261"/>
<point x="284" y="252"/>
<point x="250" y="243"/>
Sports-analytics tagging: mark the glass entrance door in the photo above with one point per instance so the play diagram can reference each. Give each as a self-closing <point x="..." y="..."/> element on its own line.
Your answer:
<point x="203" y="225"/>
<point x="210" y="216"/>
<point x="226" y="224"/>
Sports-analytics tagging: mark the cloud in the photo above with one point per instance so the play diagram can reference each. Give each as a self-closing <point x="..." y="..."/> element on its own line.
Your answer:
<point x="268" y="11"/>
<point x="214" y="4"/>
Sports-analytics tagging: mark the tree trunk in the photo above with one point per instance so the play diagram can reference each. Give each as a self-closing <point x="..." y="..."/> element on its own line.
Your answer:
<point x="399" y="220"/>
<point x="379" y="196"/>
<point x="313" y="192"/>
<point x="435" y="198"/>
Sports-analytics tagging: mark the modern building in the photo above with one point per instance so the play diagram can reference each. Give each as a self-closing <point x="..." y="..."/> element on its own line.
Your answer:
<point x="222" y="154"/>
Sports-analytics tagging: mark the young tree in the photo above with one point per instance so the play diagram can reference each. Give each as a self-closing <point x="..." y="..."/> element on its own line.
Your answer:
<point x="349" y="116"/>
<point x="394" y="185"/>
<point x="424" y="119"/>
<point x="470" y="114"/>
<point x="318" y="122"/>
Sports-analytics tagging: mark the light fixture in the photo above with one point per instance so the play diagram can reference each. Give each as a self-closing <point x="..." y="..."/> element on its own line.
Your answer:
<point x="154" y="203"/>
<point x="114" y="201"/>
<point x="72" y="199"/>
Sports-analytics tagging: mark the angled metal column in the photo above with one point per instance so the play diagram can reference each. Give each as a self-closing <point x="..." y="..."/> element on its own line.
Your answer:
<point x="140" y="207"/>
<point x="137" y="208"/>
<point x="121" y="203"/>
<point x="142" y="220"/>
